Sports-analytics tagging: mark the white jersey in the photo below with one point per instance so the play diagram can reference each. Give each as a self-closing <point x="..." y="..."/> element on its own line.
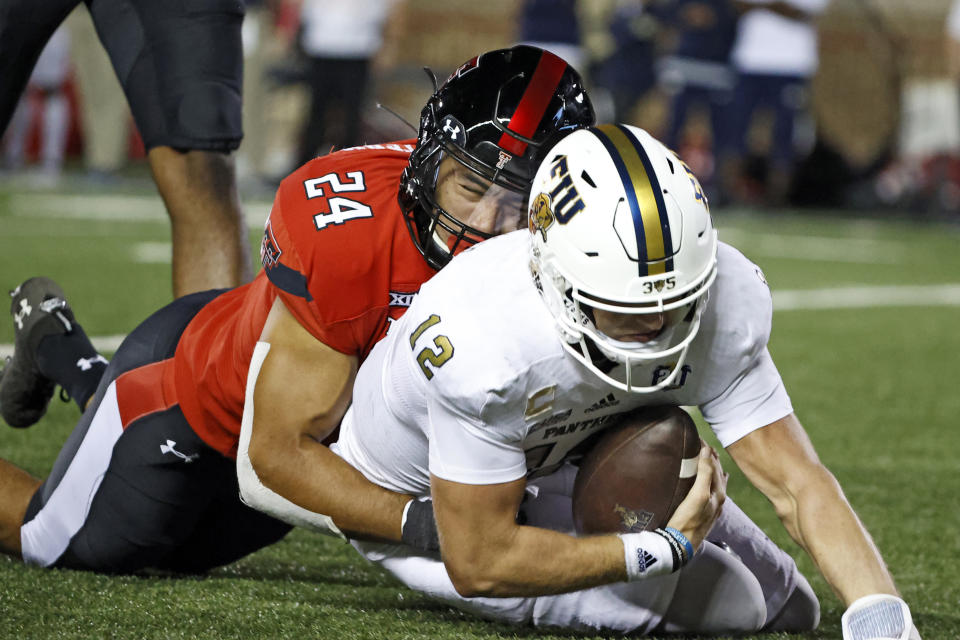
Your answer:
<point x="473" y="385"/>
<point x="770" y="43"/>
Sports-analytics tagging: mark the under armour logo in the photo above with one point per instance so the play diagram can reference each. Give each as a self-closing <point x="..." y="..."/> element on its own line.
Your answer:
<point x="168" y="448"/>
<point x="85" y="364"/>
<point x="21" y="315"/>
<point x="454" y="131"/>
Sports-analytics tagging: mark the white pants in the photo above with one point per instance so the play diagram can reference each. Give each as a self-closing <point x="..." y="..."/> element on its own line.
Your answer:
<point x="717" y="592"/>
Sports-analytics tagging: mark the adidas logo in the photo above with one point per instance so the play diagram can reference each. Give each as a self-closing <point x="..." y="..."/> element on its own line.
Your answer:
<point x="603" y="403"/>
<point x="645" y="560"/>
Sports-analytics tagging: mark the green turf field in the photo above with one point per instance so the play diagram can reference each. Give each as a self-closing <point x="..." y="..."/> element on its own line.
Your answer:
<point x="865" y="335"/>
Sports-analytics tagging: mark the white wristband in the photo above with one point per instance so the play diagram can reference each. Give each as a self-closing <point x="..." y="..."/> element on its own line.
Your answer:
<point x="646" y="554"/>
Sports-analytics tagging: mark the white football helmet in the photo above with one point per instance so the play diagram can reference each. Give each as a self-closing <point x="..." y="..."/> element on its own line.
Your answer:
<point x="621" y="225"/>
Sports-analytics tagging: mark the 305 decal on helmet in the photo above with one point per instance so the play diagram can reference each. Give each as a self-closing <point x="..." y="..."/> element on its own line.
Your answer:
<point x="639" y="244"/>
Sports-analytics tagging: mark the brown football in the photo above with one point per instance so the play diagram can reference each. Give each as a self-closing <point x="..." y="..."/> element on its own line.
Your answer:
<point x="637" y="472"/>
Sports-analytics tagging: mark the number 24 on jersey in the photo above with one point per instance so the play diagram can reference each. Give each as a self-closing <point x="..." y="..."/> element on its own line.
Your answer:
<point x="342" y="209"/>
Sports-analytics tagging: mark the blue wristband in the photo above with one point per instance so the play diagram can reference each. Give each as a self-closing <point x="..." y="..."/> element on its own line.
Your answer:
<point x="682" y="539"/>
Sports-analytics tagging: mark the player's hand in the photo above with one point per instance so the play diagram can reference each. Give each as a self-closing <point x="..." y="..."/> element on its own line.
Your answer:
<point x="695" y="516"/>
<point x="419" y="527"/>
<point x="880" y="616"/>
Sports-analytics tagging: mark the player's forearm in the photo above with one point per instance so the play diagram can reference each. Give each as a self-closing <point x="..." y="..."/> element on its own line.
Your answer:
<point x="821" y="520"/>
<point x="529" y="561"/>
<point x="318" y="480"/>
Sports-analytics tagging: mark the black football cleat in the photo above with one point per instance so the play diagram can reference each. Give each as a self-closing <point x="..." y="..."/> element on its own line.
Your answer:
<point x="39" y="309"/>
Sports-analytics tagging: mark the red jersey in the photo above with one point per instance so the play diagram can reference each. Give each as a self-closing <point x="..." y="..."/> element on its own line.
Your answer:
<point x="337" y="251"/>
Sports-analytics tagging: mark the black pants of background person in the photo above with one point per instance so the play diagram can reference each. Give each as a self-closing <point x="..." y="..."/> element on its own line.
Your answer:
<point x="179" y="63"/>
<point x="336" y="85"/>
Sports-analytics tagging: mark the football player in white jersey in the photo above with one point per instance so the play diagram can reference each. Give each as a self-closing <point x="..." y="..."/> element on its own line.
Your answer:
<point x="619" y="296"/>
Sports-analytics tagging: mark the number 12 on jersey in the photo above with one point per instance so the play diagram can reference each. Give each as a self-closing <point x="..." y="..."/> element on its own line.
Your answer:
<point x="437" y="358"/>
<point x="341" y="209"/>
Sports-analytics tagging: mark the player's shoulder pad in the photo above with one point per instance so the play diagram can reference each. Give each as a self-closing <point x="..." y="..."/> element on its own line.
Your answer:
<point x="330" y="216"/>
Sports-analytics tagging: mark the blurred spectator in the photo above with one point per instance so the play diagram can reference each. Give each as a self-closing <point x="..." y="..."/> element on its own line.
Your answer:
<point x="104" y="114"/>
<point x="953" y="41"/>
<point x="340" y="40"/>
<point x="925" y="175"/>
<point x="180" y="64"/>
<point x="623" y="44"/>
<point x="697" y="73"/>
<point x="775" y="55"/>
<point x="553" y="25"/>
<point x="259" y="45"/>
<point x="47" y="82"/>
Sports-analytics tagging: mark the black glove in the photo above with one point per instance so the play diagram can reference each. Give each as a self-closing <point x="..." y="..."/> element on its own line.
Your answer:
<point x="419" y="529"/>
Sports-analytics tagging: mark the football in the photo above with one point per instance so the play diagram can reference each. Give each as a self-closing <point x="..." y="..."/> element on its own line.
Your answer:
<point x="637" y="472"/>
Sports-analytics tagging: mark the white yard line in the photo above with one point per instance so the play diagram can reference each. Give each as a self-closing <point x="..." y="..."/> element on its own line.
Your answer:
<point x="944" y="295"/>
<point x="115" y="208"/>
<point x="815" y="248"/>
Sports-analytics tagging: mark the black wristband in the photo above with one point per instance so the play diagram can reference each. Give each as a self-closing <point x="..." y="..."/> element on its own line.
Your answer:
<point x="675" y="549"/>
<point x="420" y="527"/>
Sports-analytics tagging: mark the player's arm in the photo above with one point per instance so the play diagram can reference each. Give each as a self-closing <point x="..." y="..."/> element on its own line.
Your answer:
<point x="780" y="461"/>
<point x="296" y="398"/>
<point x="487" y="553"/>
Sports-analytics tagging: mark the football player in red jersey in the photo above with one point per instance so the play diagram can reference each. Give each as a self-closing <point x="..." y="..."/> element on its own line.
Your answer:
<point x="149" y="477"/>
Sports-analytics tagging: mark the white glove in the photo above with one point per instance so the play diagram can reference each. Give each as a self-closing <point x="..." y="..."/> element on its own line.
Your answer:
<point x="878" y="617"/>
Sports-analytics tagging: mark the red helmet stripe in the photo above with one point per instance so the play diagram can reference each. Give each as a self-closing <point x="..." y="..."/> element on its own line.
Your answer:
<point x="543" y="84"/>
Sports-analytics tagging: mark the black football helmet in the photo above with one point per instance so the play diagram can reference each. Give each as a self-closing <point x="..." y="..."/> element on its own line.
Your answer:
<point x="495" y="115"/>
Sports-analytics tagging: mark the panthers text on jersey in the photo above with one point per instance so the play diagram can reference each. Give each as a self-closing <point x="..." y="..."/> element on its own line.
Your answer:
<point x="336" y="250"/>
<point x="473" y="385"/>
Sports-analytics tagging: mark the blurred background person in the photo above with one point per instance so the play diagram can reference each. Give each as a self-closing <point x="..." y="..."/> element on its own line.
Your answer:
<point x="952" y="43"/>
<point x="180" y="64"/>
<point x="775" y="56"/>
<point x="340" y="40"/>
<point x="267" y="36"/>
<point x="624" y="37"/>
<point x="45" y="101"/>
<point x="552" y="25"/>
<point x="104" y="114"/>
<point x="696" y="75"/>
